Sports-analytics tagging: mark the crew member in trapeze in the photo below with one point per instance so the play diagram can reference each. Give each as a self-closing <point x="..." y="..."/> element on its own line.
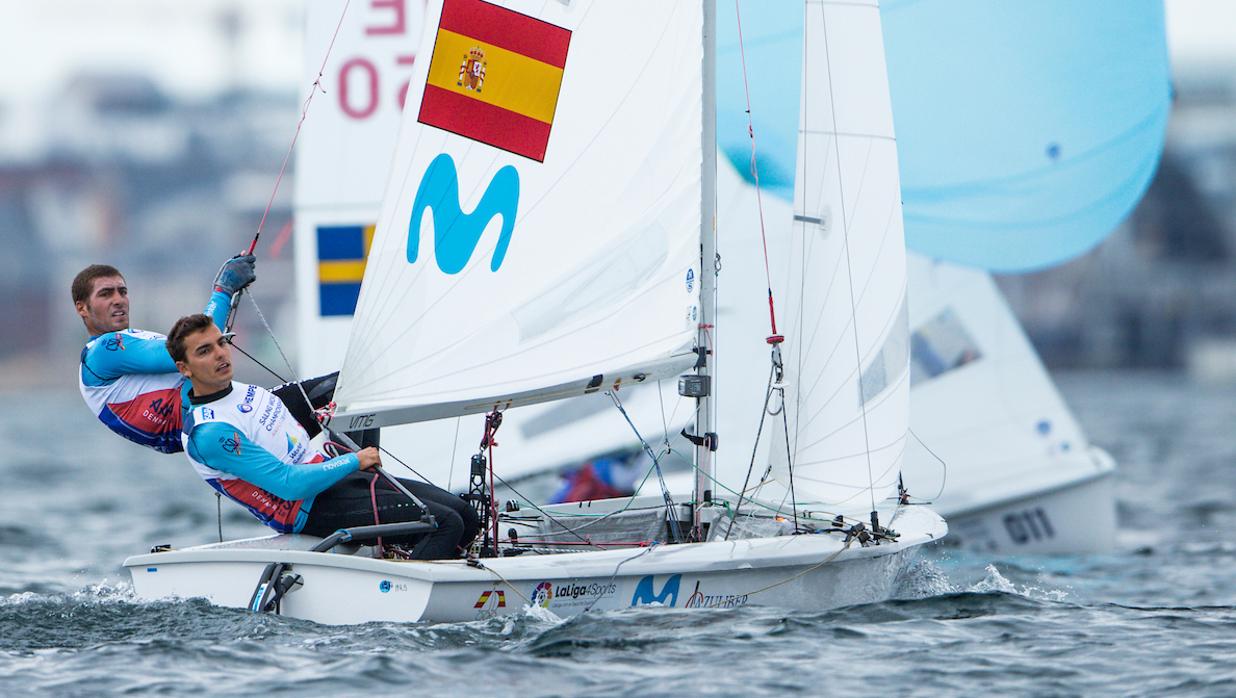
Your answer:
<point x="244" y="442"/>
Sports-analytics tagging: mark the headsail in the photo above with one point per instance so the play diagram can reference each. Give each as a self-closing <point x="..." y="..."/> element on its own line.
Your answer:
<point x="539" y="236"/>
<point x="846" y="352"/>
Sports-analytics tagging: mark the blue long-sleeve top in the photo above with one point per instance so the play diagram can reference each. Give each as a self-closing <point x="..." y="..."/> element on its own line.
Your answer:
<point x="222" y="447"/>
<point x="133" y="351"/>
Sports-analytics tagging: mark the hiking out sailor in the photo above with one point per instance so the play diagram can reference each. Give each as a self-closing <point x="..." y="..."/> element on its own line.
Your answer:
<point x="126" y="376"/>
<point x="243" y="442"/>
<point x="131" y="383"/>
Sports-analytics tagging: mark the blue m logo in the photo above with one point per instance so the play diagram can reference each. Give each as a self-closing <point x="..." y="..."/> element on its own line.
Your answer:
<point x="455" y="233"/>
<point x="644" y="591"/>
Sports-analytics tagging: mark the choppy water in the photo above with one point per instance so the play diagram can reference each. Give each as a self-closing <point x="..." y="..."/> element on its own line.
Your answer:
<point x="1156" y="617"/>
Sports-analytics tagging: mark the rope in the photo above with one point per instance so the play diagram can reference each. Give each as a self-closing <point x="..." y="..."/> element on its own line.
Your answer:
<point x="314" y="89"/>
<point x="812" y="568"/>
<point x="943" y="465"/>
<point x="617" y="568"/>
<point x="255" y="360"/>
<point x="481" y="566"/>
<point x="373" y="497"/>
<point x="493" y="501"/>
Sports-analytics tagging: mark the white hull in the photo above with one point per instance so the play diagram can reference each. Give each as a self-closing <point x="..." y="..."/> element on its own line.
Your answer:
<point x="1078" y="516"/>
<point x="806" y="572"/>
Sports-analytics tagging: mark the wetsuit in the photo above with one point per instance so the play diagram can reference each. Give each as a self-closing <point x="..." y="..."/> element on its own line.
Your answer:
<point x="131" y="384"/>
<point x="245" y="443"/>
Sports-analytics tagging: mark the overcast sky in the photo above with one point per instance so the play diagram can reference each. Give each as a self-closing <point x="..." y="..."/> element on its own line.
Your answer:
<point x="181" y="42"/>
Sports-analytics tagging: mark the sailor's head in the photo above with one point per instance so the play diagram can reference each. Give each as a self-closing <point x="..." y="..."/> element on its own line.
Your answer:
<point x="202" y="353"/>
<point x="101" y="298"/>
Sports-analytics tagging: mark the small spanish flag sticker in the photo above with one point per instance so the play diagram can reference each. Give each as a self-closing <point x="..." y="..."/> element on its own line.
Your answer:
<point x="495" y="76"/>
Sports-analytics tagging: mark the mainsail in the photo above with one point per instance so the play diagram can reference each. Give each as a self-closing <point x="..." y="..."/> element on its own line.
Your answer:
<point x="539" y="235"/>
<point x="846" y="354"/>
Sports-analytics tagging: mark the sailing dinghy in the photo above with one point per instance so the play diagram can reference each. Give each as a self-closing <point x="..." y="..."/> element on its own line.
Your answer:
<point x="580" y="138"/>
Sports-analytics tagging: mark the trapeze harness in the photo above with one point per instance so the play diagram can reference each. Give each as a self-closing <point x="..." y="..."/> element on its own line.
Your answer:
<point x="130" y="383"/>
<point x="245" y="444"/>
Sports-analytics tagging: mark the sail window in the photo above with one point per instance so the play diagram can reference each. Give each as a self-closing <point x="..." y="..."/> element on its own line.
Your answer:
<point x="890" y="362"/>
<point x="941" y="345"/>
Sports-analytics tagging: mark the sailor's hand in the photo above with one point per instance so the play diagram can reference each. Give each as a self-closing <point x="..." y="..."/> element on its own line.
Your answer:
<point x="236" y="273"/>
<point x="368" y="458"/>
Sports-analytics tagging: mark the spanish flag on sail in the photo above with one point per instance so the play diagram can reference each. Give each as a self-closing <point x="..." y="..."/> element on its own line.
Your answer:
<point x="342" y="252"/>
<point x="495" y="76"/>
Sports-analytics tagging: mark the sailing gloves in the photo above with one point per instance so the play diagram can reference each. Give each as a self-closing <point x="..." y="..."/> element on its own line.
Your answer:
<point x="236" y="273"/>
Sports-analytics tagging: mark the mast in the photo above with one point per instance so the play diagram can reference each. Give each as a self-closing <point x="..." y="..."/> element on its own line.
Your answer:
<point x="707" y="442"/>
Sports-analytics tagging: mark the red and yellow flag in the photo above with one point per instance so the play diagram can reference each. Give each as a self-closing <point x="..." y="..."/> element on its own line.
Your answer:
<point x="495" y="76"/>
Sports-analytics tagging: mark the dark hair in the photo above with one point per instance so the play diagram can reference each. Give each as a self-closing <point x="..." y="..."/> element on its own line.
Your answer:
<point x="184" y="327"/>
<point x="83" y="283"/>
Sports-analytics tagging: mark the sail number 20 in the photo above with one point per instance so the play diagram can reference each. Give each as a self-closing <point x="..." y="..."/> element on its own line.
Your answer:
<point x="1028" y="525"/>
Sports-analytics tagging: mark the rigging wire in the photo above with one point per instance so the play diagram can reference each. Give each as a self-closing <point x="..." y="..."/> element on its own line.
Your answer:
<point x="774" y="511"/>
<point x="670" y="508"/>
<point x="789" y="462"/>
<point x="754" y="450"/>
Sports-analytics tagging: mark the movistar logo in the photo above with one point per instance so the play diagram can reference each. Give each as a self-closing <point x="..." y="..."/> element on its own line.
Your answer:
<point x="644" y="591"/>
<point x="455" y="233"/>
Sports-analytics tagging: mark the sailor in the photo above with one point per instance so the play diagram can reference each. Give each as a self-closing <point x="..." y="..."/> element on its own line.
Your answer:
<point x="131" y="383"/>
<point x="126" y="376"/>
<point x="243" y="442"/>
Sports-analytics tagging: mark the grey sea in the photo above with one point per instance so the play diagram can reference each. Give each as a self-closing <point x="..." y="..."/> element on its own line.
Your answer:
<point x="1155" y="617"/>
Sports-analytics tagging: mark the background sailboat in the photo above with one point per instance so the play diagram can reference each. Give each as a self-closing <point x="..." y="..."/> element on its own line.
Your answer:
<point x="1028" y="131"/>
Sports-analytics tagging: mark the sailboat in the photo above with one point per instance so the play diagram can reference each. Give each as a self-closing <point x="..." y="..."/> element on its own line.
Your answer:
<point x="579" y="137"/>
<point x="1029" y="130"/>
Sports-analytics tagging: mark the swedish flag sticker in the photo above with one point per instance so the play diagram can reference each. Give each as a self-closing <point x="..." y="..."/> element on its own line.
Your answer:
<point x="342" y="251"/>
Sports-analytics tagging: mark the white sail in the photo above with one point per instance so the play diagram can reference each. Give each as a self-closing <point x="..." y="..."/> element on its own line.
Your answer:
<point x="583" y="263"/>
<point x="343" y="154"/>
<point x="981" y="399"/>
<point x="572" y="431"/>
<point x="846" y="350"/>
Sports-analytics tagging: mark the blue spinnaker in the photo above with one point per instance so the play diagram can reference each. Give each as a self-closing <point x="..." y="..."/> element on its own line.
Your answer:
<point x="1026" y="130"/>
